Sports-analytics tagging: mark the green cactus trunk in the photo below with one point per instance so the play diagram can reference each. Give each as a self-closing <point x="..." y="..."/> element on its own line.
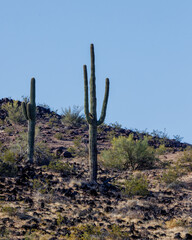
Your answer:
<point x="29" y="111"/>
<point x="92" y="115"/>
<point x="93" y="152"/>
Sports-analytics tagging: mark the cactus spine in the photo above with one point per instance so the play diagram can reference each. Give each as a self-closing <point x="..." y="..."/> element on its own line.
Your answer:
<point x="29" y="111"/>
<point x="91" y="116"/>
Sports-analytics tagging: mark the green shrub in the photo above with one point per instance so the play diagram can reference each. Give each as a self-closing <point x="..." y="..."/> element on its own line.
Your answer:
<point x="72" y="117"/>
<point x="61" y="167"/>
<point x="8" y="166"/>
<point x="161" y="149"/>
<point x="92" y="232"/>
<point x="127" y="153"/>
<point x="8" y="170"/>
<point x="14" y="111"/>
<point x="136" y="185"/>
<point x="11" y="211"/>
<point x="8" y="157"/>
<point x="187" y="156"/>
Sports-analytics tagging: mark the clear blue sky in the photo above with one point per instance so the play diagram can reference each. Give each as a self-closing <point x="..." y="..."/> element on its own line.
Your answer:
<point x="144" y="47"/>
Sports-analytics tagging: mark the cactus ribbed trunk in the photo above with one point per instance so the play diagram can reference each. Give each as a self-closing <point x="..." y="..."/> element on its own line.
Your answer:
<point x="91" y="115"/>
<point x="31" y="137"/>
<point x="93" y="152"/>
<point x="29" y="111"/>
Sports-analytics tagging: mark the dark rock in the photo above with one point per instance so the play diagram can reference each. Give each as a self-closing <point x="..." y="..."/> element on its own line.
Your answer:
<point x="188" y="236"/>
<point x="67" y="154"/>
<point x="59" y="151"/>
<point x="93" y="192"/>
<point x="177" y="236"/>
<point x="108" y="209"/>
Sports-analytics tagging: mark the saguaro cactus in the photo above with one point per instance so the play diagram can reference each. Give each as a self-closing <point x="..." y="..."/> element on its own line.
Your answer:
<point x="91" y="116"/>
<point x="29" y="111"/>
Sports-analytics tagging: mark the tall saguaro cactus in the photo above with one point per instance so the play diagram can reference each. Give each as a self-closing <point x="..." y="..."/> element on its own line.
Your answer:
<point x="91" y="116"/>
<point x="29" y="111"/>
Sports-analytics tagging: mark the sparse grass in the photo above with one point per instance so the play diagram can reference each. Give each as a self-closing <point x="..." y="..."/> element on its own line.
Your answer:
<point x="128" y="154"/>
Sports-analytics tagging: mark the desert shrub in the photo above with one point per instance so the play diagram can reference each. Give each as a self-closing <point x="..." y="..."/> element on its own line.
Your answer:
<point x="170" y="176"/>
<point x="177" y="138"/>
<point x="116" y="125"/>
<point x="14" y="111"/>
<point x="92" y="232"/>
<point x="42" y="154"/>
<point x="186" y="160"/>
<point x="78" y="149"/>
<point x="8" y="167"/>
<point x="8" y="157"/>
<point x="53" y="121"/>
<point x="85" y="232"/>
<point x="43" y="186"/>
<point x="187" y="156"/>
<point x="59" y="136"/>
<point x="61" y="167"/>
<point x="8" y="170"/>
<point x="11" y="211"/>
<point x="127" y="153"/>
<point x="72" y="116"/>
<point x="136" y="185"/>
<point x="161" y="149"/>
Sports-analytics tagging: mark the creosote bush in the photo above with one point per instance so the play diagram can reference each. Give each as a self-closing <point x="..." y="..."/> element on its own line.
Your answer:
<point x="72" y="116"/>
<point x="126" y="153"/>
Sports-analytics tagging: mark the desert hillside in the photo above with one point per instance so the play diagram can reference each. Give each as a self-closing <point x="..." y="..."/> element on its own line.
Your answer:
<point x="148" y="198"/>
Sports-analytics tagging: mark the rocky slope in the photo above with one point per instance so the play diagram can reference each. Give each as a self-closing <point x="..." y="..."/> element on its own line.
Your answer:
<point x="40" y="202"/>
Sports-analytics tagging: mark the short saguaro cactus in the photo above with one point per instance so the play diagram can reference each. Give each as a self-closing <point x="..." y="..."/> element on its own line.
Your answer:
<point x="29" y="111"/>
<point x="91" y="115"/>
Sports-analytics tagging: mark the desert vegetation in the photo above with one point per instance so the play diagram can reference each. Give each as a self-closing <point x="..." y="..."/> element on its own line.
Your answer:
<point x="72" y="176"/>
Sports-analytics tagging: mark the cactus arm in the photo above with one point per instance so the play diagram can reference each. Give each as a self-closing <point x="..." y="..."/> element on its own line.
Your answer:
<point x="104" y="107"/>
<point x="93" y="100"/>
<point x="86" y="98"/>
<point x="24" y="110"/>
<point x="32" y="91"/>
